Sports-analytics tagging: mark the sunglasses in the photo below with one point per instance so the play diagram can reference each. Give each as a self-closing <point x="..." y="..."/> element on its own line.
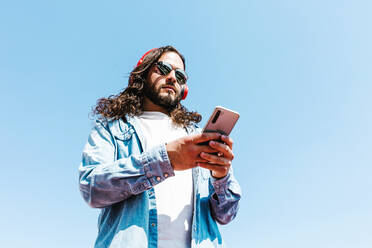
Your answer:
<point x="166" y="68"/>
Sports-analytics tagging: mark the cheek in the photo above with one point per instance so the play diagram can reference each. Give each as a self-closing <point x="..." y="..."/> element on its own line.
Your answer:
<point x="156" y="82"/>
<point x="152" y="78"/>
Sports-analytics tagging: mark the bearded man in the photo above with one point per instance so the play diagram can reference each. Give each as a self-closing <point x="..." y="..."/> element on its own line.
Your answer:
<point x="155" y="176"/>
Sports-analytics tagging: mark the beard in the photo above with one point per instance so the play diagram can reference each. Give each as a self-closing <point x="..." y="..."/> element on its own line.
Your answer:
<point x="168" y="102"/>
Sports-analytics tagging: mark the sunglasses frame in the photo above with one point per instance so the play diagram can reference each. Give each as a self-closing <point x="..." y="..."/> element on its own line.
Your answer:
<point x="166" y="68"/>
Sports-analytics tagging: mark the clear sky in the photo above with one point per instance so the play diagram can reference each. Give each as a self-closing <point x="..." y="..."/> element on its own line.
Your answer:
<point x="298" y="72"/>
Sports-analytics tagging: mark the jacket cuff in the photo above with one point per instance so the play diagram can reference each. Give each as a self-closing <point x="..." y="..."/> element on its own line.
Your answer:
<point x="156" y="165"/>
<point x="220" y="186"/>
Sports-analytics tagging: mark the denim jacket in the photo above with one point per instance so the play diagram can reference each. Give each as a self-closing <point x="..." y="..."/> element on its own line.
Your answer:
<point x="118" y="173"/>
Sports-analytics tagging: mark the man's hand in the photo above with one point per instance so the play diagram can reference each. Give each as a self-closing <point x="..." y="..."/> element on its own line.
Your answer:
<point x="219" y="164"/>
<point x="184" y="153"/>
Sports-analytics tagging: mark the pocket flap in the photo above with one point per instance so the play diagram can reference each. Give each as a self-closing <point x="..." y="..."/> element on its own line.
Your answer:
<point x="126" y="135"/>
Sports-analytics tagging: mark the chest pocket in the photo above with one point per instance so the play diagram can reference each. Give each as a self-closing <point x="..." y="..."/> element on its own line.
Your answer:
<point x="124" y="142"/>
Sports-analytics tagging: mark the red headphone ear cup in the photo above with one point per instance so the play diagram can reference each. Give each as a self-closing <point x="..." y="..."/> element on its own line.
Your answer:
<point x="185" y="90"/>
<point x="143" y="56"/>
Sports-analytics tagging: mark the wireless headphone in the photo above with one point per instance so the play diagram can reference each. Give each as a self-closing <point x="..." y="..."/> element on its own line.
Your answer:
<point x="184" y="88"/>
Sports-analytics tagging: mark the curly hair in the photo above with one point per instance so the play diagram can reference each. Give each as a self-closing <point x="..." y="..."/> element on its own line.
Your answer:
<point x="130" y="100"/>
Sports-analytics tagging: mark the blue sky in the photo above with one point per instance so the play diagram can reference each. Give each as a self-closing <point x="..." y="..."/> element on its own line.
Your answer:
<point x="298" y="72"/>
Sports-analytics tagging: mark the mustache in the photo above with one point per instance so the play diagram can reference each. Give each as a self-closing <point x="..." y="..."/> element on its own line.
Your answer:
<point x="169" y="83"/>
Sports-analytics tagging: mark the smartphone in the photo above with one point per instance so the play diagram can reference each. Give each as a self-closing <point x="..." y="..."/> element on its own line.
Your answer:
<point x="222" y="121"/>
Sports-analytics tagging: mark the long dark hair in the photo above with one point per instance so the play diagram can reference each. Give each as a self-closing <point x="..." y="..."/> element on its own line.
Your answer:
<point x="130" y="100"/>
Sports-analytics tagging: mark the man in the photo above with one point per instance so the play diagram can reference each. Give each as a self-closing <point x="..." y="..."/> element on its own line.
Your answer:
<point x="157" y="179"/>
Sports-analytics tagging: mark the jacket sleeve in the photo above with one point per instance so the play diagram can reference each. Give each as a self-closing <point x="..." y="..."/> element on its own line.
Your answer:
<point x="104" y="181"/>
<point x="224" y="199"/>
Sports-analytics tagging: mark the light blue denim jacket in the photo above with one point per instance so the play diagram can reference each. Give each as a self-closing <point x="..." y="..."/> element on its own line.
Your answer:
<point x="117" y="174"/>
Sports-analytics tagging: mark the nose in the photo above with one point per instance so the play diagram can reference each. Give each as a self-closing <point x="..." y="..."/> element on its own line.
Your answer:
<point x="171" y="77"/>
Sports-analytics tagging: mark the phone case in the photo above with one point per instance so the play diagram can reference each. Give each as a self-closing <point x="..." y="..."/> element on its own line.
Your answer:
<point x="222" y="120"/>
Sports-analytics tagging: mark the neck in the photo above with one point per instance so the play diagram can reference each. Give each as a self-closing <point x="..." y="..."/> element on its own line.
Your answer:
<point x="148" y="105"/>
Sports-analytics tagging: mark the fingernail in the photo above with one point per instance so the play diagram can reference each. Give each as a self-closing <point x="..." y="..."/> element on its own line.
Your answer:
<point x="224" y="136"/>
<point x="213" y="142"/>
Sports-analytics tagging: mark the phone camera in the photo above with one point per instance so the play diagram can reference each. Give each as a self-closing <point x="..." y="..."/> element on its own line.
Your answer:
<point x="216" y="116"/>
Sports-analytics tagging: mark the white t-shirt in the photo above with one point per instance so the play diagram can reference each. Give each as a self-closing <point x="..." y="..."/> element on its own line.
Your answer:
<point x="174" y="196"/>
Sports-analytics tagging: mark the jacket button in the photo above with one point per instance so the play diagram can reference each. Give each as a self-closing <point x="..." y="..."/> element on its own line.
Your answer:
<point x="158" y="179"/>
<point x="153" y="224"/>
<point x="166" y="175"/>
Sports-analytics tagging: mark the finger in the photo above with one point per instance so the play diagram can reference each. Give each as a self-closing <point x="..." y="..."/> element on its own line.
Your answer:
<point x="207" y="149"/>
<point x="222" y="148"/>
<point x="227" y="140"/>
<point x="202" y="137"/>
<point x="215" y="159"/>
<point x="217" y="169"/>
<point x="201" y="160"/>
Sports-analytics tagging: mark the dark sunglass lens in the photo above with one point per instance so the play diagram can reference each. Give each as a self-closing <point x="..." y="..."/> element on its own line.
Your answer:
<point x="161" y="69"/>
<point x="181" y="77"/>
<point x="164" y="68"/>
